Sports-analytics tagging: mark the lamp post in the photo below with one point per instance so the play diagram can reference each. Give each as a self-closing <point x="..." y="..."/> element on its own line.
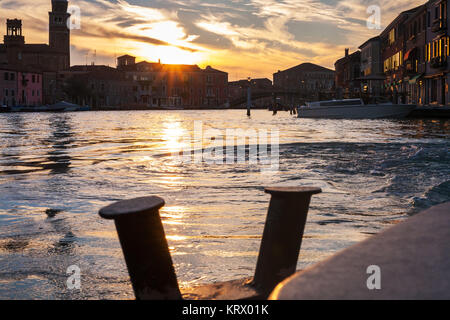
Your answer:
<point x="249" y="96"/>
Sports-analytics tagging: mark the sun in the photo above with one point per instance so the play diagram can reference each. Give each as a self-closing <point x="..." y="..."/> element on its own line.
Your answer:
<point x="178" y="47"/>
<point x="168" y="54"/>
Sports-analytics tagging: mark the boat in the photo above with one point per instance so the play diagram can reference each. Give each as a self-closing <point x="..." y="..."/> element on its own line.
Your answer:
<point x="377" y="108"/>
<point x="64" y="106"/>
<point x="61" y="106"/>
<point x="4" y="108"/>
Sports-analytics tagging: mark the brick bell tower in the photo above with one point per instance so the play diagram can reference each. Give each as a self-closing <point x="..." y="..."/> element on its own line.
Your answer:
<point x="59" y="33"/>
<point x="14" y="41"/>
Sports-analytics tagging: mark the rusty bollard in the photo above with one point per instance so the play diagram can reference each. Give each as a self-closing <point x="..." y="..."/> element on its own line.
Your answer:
<point x="282" y="237"/>
<point x="150" y="265"/>
<point x="145" y="248"/>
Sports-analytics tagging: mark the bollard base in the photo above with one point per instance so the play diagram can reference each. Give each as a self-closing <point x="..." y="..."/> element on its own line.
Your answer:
<point x="241" y="289"/>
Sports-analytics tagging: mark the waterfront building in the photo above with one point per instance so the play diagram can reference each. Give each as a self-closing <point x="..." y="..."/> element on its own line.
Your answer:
<point x="173" y="85"/>
<point x="414" y="50"/>
<point x="372" y="76"/>
<point x="19" y="87"/>
<point x="437" y="51"/>
<point x="8" y="87"/>
<point x="49" y="59"/>
<point x="392" y="52"/>
<point x="306" y="81"/>
<point x="97" y="86"/>
<point x="348" y="75"/>
<point x="414" y="57"/>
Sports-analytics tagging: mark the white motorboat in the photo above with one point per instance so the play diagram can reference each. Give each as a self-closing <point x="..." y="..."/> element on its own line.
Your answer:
<point x="355" y="109"/>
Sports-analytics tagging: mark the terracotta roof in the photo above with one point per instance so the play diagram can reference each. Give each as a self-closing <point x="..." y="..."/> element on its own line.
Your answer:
<point x="377" y="38"/>
<point x="308" y="67"/>
<point x="356" y="54"/>
<point x="209" y="69"/>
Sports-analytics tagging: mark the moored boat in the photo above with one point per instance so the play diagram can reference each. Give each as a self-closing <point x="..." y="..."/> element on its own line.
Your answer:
<point x="377" y="108"/>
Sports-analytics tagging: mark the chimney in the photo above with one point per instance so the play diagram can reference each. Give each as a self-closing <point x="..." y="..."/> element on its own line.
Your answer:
<point x="346" y="52"/>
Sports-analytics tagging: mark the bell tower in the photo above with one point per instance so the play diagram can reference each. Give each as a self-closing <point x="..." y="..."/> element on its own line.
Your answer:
<point x="14" y="41"/>
<point x="59" y="33"/>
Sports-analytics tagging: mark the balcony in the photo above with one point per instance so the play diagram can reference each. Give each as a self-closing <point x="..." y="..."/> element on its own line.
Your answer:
<point x="438" y="63"/>
<point x="439" y="26"/>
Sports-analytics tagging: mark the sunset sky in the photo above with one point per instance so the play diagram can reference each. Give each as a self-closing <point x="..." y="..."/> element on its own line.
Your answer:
<point x="242" y="37"/>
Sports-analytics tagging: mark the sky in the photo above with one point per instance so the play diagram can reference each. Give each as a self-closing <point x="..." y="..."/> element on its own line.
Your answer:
<point x="246" y="38"/>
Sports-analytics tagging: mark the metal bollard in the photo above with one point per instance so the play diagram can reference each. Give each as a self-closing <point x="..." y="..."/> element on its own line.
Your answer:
<point x="282" y="237"/>
<point x="145" y="247"/>
<point x="150" y="265"/>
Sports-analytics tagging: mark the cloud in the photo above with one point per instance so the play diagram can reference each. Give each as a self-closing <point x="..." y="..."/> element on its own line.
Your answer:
<point x="248" y="37"/>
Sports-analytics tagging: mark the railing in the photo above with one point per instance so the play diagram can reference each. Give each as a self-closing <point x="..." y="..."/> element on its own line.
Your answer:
<point x="439" y="25"/>
<point x="438" y="62"/>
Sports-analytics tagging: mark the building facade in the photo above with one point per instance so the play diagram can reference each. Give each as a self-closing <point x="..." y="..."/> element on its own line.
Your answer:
<point x="437" y="53"/>
<point x="306" y="81"/>
<point x="164" y="85"/>
<point x="47" y="59"/>
<point x="20" y="88"/>
<point x="414" y="50"/>
<point x="8" y="87"/>
<point x="414" y="57"/>
<point x="97" y="86"/>
<point x="372" y="76"/>
<point x="348" y="75"/>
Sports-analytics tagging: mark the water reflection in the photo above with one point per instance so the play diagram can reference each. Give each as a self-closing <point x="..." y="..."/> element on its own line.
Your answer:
<point x="373" y="173"/>
<point x="61" y="139"/>
<point x="12" y="141"/>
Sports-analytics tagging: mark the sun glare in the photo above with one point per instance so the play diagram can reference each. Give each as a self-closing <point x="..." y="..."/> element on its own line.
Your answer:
<point x="169" y="54"/>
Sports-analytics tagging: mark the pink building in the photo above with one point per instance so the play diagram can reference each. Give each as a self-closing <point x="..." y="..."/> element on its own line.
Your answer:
<point x="8" y="87"/>
<point x="20" y="88"/>
<point x="29" y="88"/>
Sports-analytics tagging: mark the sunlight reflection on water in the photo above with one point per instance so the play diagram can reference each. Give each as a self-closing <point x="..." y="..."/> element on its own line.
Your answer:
<point x="373" y="174"/>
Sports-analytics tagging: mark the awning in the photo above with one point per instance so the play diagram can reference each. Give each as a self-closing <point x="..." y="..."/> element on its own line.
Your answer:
<point x="407" y="54"/>
<point x="414" y="79"/>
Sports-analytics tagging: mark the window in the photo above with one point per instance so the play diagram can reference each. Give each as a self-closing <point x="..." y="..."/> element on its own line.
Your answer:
<point x="392" y="36"/>
<point x="6" y="76"/>
<point x="6" y="92"/>
<point x="33" y="78"/>
<point x="393" y="62"/>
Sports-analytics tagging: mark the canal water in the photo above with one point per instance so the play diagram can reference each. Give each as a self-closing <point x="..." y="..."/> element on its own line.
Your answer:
<point x="58" y="170"/>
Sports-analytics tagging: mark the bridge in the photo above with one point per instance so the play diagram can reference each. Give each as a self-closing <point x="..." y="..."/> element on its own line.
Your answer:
<point x="275" y="93"/>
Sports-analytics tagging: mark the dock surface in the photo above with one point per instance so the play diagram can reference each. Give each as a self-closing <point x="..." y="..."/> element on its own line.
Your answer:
<point x="413" y="259"/>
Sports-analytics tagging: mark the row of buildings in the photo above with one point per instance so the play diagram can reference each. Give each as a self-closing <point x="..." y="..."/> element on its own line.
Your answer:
<point x="407" y="62"/>
<point x="290" y="87"/>
<point x="36" y="74"/>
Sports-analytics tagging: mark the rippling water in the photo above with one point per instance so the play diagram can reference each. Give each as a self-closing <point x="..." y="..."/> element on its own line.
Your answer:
<point x="373" y="173"/>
